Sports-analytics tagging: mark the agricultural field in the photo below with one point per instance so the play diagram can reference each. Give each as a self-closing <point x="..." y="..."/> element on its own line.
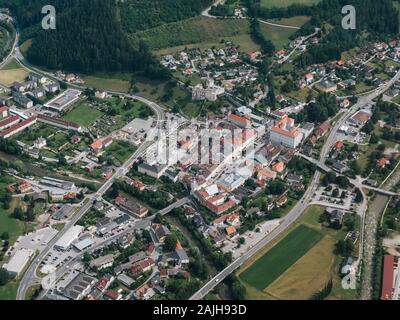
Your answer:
<point x="12" y="72"/>
<point x="286" y="3"/>
<point x="199" y="32"/>
<point x="298" y="264"/>
<point x="281" y="257"/>
<point x="83" y="114"/>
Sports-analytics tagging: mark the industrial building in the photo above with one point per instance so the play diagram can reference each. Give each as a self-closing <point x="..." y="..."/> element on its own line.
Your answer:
<point x="70" y="236"/>
<point x="18" y="262"/>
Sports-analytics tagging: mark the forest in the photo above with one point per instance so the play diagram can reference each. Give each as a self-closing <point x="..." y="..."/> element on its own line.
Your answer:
<point x="88" y="38"/>
<point x="137" y="15"/>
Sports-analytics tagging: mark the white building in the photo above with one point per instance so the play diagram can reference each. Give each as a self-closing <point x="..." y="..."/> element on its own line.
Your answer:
<point x="40" y="143"/>
<point x="18" y="262"/>
<point x="285" y="133"/>
<point x="70" y="236"/>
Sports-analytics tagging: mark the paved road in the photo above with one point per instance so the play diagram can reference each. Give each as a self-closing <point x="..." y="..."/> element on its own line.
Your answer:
<point x="296" y="212"/>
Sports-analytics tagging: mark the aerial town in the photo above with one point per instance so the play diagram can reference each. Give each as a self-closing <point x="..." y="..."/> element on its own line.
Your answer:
<point x="263" y="172"/>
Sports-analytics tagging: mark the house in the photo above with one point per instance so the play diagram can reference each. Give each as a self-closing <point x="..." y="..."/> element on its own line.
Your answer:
<point x="383" y="162"/>
<point x="388" y="277"/>
<point x="24" y="186"/>
<point x="131" y="207"/>
<point x="309" y="78"/>
<point x="102" y="262"/>
<point x="326" y="86"/>
<point x="230" y="231"/>
<point x="361" y="117"/>
<point x="112" y="295"/>
<point x="338" y="166"/>
<point x="22" y="100"/>
<point x="278" y="167"/>
<point x="160" y="231"/>
<point x="40" y="143"/>
<point x="335" y="217"/>
<point x="180" y="256"/>
<point x="345" y="103"/>
<point x="75" y="139"/>
<point x="282" y="200"/>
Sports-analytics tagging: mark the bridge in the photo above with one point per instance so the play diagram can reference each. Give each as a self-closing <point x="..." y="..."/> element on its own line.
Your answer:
<point x="322" y="166"/>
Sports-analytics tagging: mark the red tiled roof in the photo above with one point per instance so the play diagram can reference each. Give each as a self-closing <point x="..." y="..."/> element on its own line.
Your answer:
<point x="387" y="281"/>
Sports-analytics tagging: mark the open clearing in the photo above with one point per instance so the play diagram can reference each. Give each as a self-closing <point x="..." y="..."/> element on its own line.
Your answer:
<point x="83" y="114"/>
<point x="308" y="275"/>
<point x="283" y="255"/>
<point x="297" y="21"/>
<point x="200" y="32"/>
<point x="286" y="3"/>
<point x="12" y="72"/>
<point x="279" y="36"/>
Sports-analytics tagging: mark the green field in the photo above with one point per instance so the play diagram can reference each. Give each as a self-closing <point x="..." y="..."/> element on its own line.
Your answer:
<point x="283" y="255"/>
<point x="83" y="115"/>
<point x="9" y="291"/>
<point x="197" y="32"/>
<point x="297" y="21"/>
<point x="286" y="3"/>
<point x="279" y="36"/>
<point x="121" y="150"/>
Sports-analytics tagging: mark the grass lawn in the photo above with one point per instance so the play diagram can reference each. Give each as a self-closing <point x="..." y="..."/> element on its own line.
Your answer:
<point x="286" y="3"/>
<point x="9" y="291"/>
<point x="297" y="21"/>
<point x="12" y="65"/>
<point x="114" y="82"/>
<point x="277" y="260"/>
<point x="396" y="99"/>
<point x="279" y="36"/>
<point x="83" y="114"/>
<point x="25" y="46"/>
<point x="121" y="150"/>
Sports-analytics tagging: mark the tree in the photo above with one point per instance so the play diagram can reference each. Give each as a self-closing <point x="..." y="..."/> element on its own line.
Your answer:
<point x="343" y="182"/>
<point x="5" y="236"/>
<point x="359" y="196"/>
<point x="170" y="242"/>
<point x="344" y="247"/>
<point x="4" y="277"/>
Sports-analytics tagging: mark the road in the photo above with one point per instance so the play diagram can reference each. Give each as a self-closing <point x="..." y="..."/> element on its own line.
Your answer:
<point x="30" y="275"/>
<point x="296" y="212"/>
<point x="206" y="13"/>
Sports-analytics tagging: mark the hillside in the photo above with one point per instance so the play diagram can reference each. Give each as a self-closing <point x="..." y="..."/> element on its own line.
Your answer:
<point x="91" y="34"/>
<point x="137" y="15"/>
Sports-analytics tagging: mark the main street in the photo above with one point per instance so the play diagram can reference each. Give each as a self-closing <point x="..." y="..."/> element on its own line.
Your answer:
<point x="299" y="208"/>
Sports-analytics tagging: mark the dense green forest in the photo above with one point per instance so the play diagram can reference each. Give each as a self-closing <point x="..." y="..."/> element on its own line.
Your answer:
<point x="139" y="15"/>
<point x="90" y="34"/>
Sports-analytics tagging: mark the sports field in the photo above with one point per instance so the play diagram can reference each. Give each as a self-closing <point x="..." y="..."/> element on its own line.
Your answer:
<point x="286" y="3"/>
<point x="281" y="257"/>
